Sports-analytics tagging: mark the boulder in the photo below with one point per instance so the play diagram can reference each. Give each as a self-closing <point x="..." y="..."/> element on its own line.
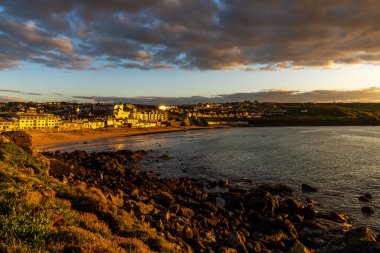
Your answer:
<point x="360" y="239"/>
<point x="145" y="208"/>
<point x="298" y="247"/>
<point x="164" y="215"/>
<point x="308" y="188"/>
<point x="223" y="182"/>
<point x="361" y="234"/>
<point x="59" y="169"/>
<point x="21" y="139"/>
<point x="334" y="216"/>
<point x="237" y="241"/>
<point x="165" y="157"/>
<point x="209" y="206"/>
<point x="367" y="210"/>
<point x="164" y="198"/>
<point x="363" y="199"/>
<point x="188" y="233"/>
<point x="220" y="202"/>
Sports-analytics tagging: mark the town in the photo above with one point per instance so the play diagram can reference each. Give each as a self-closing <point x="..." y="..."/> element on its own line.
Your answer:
<point x="64" y="116"/>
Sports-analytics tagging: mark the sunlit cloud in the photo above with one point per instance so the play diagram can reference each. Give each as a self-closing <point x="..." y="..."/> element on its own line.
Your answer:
<point x="6" y="99"/>
<point x="244" y="35"/>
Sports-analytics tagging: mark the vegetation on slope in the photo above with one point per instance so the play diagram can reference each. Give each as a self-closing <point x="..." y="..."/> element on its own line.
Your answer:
<point x="334" y="114"/>
<point x="39" y="213"/>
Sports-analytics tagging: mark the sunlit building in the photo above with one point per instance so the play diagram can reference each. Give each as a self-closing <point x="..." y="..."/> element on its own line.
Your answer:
<point x="32" y="121"/>
<point x="7" y="125"/>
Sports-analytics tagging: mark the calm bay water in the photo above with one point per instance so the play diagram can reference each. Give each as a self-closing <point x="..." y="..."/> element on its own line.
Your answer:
<point x="342" y="162"/>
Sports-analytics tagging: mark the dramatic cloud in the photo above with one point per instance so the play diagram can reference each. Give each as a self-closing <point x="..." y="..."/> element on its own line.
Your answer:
<point x="368" y="95"/>
<point x="189" y="34"/>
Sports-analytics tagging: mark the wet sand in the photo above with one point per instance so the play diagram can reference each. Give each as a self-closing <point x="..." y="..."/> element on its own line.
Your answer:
<point x="45" y="138"/>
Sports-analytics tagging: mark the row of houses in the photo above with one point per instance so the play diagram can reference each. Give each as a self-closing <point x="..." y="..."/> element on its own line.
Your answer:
<point x="239" y="115"/>
<point x="38" y="121"/>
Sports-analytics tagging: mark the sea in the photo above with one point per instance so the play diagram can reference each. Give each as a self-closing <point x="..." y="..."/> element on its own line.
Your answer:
<point x="343" y="163"/>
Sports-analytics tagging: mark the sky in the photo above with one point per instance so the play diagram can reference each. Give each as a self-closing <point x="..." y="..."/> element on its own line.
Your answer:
<point x="189" y="51"/>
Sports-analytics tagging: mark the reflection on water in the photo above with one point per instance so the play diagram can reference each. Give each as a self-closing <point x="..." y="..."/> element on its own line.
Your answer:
<point x="343" y="162"/>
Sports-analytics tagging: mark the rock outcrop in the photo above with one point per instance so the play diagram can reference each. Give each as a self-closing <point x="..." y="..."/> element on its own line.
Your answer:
<point x="21" y="139"/>
<point x="269" y="218"/>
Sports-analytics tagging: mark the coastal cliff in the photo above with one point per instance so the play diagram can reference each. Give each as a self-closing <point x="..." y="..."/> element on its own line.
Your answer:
<point x="100" y="202"/>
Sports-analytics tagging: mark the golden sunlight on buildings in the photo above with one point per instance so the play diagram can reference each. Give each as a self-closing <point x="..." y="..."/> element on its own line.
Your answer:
<point x="32" y="120"/>
<point x="163" y="107"/>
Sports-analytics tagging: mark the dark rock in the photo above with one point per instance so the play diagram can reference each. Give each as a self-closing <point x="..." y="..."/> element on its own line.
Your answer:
<point x="164" y="215"/>
<point x="368" y="195"/>
<point x="223" y="182"/>
<point x="220" y="202"/>
<point x="290" y="229"/>
<point x="363" y="199"/>
<point x="361" y="234"/>
<point x="367" y="210"/>
<point x="308" y="212"/>
<point x="263" y="219"/>
<point x="188" y="233"/>
<point x="175" y="209"/>
<point x="292" y="206"/>
<point x="357" y="240"/>
<point x="210" y="206"/>
<point x="334" y="216"/>
<point x="308" y="188"/>
<point x="237" y="241"/>
<point x="165" y="198"/>
<point x="165" y="157"/>
<point x="279" y="189"/>
<point x="298" y="247"/>
<point x="212" y="184"/>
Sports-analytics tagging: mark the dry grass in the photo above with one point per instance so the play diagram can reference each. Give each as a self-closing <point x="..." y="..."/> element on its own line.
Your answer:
<point x="39" y="213"/>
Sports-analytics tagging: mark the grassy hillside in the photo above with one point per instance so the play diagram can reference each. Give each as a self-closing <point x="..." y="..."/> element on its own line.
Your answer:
<point x="39" y="213"/>
<point x="323" y="114"/>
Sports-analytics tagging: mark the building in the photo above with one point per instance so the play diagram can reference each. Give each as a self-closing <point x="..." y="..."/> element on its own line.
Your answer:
<point x="152" y="116"/>
<point x="68" y="125"/>
<point x="7" y="125"/>
<point x="32" y="121"/>
<point x="119" y="111"/>
<point x="96" y="124"/>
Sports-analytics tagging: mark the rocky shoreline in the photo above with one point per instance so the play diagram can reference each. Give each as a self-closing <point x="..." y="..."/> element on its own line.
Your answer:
<point x="188" y="213"/>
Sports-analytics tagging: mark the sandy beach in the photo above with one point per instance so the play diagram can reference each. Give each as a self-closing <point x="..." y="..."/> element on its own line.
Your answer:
<point x="41" y="139"/>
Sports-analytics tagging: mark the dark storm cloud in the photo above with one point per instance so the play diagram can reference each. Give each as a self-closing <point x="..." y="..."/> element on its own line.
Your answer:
<point x="189" y="34"/>
<point x="283" y="96"/>
<point x="19" y="92"/>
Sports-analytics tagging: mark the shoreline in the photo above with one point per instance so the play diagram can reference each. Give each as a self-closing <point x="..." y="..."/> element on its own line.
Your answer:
<point x="181" y="213"/>
<point x="42" y="139"/>
<point x="204" y="217"/>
